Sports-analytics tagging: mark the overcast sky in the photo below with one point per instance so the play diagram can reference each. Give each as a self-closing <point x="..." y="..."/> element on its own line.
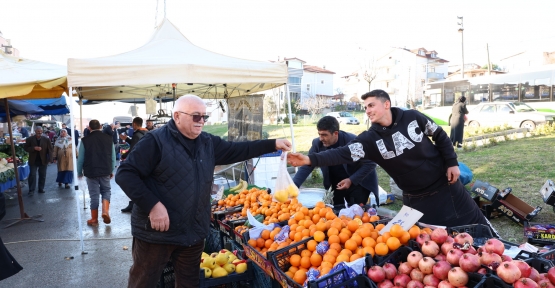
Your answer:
<point x="337" y="34"/>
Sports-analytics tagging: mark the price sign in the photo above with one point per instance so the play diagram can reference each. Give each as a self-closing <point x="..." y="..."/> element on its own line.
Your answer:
<point x="406" y="218"/>
<point x="219" y="194"/>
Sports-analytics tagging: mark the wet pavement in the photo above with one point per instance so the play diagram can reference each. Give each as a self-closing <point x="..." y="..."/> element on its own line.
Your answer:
<point x="50" y="251"/>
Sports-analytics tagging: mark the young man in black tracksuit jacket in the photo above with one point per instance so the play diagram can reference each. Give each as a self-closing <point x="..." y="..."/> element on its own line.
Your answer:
<point x="426" y="171"/>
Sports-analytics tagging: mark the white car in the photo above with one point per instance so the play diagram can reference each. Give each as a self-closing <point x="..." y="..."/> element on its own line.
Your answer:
<point x="515" y="114"/>
<point x="344" y="118"/>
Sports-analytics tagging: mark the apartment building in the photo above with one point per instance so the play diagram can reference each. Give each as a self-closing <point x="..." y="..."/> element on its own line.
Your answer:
<point x="6" y="46"/>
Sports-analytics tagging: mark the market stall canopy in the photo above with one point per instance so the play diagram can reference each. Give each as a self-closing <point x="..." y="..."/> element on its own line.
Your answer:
<point x="29" y="79"/>
<point x="51" y="106"/>
<point x="19" y="107"/>
<point x="168" y="57"/>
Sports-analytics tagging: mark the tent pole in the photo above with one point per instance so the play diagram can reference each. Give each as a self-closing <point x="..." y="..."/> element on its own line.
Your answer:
<point x="290" y="117"/>
<point x="22" y="214"/>
<point x="74" y="159"/>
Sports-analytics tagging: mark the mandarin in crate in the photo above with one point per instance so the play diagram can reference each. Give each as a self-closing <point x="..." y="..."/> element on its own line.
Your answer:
<point x="336" y="247"/>
<point x="357" y="239"/>
<point x="315" y="259"/>
<point x="381" y="249"/>
<point x="329" y="258"/>
<point x="311" y="245"/>
<point x="351" y="245"/>
<point x="343" y="237"/>
<point x="295" y="260"/>
<point x="346" y="251"/>
<point x="396" y="230"/>
<point x="306" y="253"/>
<point x="354" y="257"/>
<point x="393" y="243"/>
<point x="342" y="258"/>
<point x="332" y="231"/>
<point x="299" y="277"/>
<point x="319" y="236"/>
<point x="353" y="225"/>
<point x="368" y="242"/>
<point x="334" y="239"/>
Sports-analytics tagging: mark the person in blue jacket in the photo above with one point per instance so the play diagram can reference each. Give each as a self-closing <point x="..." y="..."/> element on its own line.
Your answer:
<point x="352" y="182"/>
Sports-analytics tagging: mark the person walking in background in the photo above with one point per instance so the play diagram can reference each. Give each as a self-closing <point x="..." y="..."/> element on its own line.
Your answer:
<point x="63" y="155"/>
<point x="112" y="130"/>
<point x="149" y="125"/>
<point x="86" y="131"/>
<point x="96" y="162"/>
<point x="351" y="182"/>
<point x="169" y="176"/>
<point x="39" y="148"/>
<point x="50" y="133"/>
<point x="457" y="121"/>
<point x="76" y="136"/>
<point x="138" y="133"/>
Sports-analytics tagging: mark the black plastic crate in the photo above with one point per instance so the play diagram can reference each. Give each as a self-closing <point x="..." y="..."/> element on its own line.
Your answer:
<point x="549" y="255"/>
<point x="279" y="257"/>
<point x="479" y="232"/>
<point x="264" y="263"/>
<point x="395" y="258"/>
<point x="359" y="281"/>
<point x="492" y="281"/>
<point x="542" y="265"/>
<point x="167" y="280"/>
<point x="213" y="242"/>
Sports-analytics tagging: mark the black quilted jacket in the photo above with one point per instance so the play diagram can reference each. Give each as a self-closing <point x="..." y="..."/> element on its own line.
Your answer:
<point x="161" y="168"/>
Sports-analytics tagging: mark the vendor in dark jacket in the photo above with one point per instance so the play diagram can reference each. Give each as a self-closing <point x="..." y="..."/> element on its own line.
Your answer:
<point x="426" y="171"/>
<point x="352" y="182"/>
<point x="169" y="176"/>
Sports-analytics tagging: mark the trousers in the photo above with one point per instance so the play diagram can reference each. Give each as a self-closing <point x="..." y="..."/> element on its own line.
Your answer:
<point x="33" y="176"/>
<point x="98" y="186"/>
<point x="150" y="259"/>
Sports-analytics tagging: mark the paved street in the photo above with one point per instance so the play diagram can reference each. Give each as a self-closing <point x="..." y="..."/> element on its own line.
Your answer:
<point x="43" y="248"/>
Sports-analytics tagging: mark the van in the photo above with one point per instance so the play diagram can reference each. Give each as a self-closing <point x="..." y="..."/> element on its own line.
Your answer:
<point x="50" y="123"/>
<point x="123" y="120"/>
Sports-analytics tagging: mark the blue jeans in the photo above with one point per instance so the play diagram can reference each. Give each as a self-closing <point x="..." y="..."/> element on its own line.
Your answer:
<point x="33" y="177"/>
<point x="98" y="186"/>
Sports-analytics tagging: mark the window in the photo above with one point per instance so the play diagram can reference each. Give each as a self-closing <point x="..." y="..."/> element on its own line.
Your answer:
<point x="295" y="80"/>
<point x="488" y="109"/>
<point x="431" y="69"/>
<point x="307" y="87"/>
<point x="322" y="82"/>
<point x="294" y="96"/>
<point x="421" y="53"/>
<point x="433" y="55"/>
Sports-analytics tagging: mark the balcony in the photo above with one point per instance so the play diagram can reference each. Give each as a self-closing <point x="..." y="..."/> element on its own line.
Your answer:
<point x="435" y="76"/>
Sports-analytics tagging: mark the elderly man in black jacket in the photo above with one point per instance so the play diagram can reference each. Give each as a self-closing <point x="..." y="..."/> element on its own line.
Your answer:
<point x="352" y="182"/>
<point x="169" y="175"/>
<point x="40" y="151"/>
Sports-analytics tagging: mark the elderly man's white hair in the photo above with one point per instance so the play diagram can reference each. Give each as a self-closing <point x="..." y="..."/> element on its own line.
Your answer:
<point x="187" y="99"/>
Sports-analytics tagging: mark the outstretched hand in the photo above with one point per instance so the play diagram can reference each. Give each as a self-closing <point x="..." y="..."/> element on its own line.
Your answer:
<point x="453" y="174"/>
<point x="283" y="144"/>
<point x="298" y="159"/>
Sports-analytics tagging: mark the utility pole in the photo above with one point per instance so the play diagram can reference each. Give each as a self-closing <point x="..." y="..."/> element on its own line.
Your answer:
<point x="489" y="63"/>
<point x="461" y="30"/>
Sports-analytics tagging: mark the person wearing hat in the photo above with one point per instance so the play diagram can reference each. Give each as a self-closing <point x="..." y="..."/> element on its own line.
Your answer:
<point x="457" y="121"/>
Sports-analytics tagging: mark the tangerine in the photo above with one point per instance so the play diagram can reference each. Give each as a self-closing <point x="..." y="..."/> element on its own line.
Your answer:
<point x="299" y="216"/>
<point x="396" y="230"/>
<point x="368" y="250"/>
<point x="368" y="242"/>
<point x="351" y="245"/>
<point x="294" y="269"/>
<point x="311" y="245"/>
<point x="357" y="239"/>
<point x="305" y="262"/>
<point x="260" y="242"/>
<point x="374" y="218"/>
<point x="330" y="215"/>
<point x="342" y="258"/>
<point x="414" y="231"/>
<point x="265" y="234"/>
<point x="299" y="277"/>
<point x="427" y="230"/>
<point x="393" y="243"/>
<point x="365" y="218"/>
<point x="306" y="253"/>
<point x="336" y="247"/>
<point x="343" y="237"/>
<point x="328" y="258"/>
<point x="346" y="251"/>
<point x="319" y="236"/>
<point x="379" y="227"/>
<point x="315" y="218"/>
<point x="295" y="261"/>
<point x="325" y="270"/>
<point x="316" y="259"/>
<point x="334" y="239"/>
<point x="353" y="225"/>
<point x="321" y="226"/>
<point x="381" y="249"/>
<point x="332" y="231"/>
<point x="354" y="257"/>
<point x="268" y="243"/>
<point x="405" y="237"/>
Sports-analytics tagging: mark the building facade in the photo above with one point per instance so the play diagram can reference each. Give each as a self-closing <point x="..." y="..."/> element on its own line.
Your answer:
<point x="6" y="47"/>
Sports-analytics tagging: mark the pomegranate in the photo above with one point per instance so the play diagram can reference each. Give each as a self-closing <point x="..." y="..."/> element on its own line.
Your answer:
<point x="526" y="283"/>
<point x="457" y="277"/>
<point x="439" y="235"/>
<point x="471" y="250"/>
<point x="494" y="246"/>
<point x="462" y="238"/>
<point x="551" y="275"/>
<point x="441" y="269"/>
<point x="482" y="271"/>
<point x="469" y="262"/>
<point x="430" y="248"/>
<point x="508" y="272"/>
<point x="453" y="256"/>
<point x="445" y="247"/>
<point x="404" y="268"/>
<point x="416" y="274"/>
<point x="430" y="280"/>
<point x="440" y="257"/>
<point x="445" y="284"/>
<point x="486" y="258"/>
<point x="423" y="237"/>
<point x="390" y="271"/>
<point x="415" y="284"/>
<point x="386" y="284"/>
<point x="401" y="280"/>
<point x="426" y="265"/>
<point x="413" y="258"/>
<point x="534" y="275"/>
<point x="525" y="269"/>
<point x="545" y="283"/>
<point x="506" y="258"/>
<point x="376" y="273"/>
<point x="449" y="240"/>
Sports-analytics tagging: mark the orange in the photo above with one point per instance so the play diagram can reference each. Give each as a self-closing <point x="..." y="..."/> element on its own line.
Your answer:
<point x="312" y="230"/>
<point x="311" y="245"/>
<point x="306" y="253"/>
<point x="405" y="237"/>
<point x="294" y="269"/>
<point x="381" y="249"/>
<point x="336" y="247"/>
<point x="321" y="226"/>
<point x="353" y="225"/>
<point x="323" y="211"/>
<point x="268" y="243"/>
<point x="328" y="258"/>
<point x="299" y="277"/>
<point x="368" y="250"/>
<point x="304" y="210"/>
<point x="316" y="259"/>
<point x="334" y="239"/>
<point x="342" y="258"/>
<point x="307" y="223"/>
<point x="351" y="245"/>
<point x="320" y="204"/>
<point x="379" y="227"/>
<point x="354" y="257"/>
<point x="346" y="251"/>
<point x="374" y="234"/>
<point x="368" y="242"/>
<point x="260" y="242"/>
<point x="305" y="262"/>
<point x="332" y="231"/>
<point x="291" y="221"/>
<point x="427" y="230"/>
<point x="396" y="230"/>
<point x="346" y="231"/>
<point x="343" y="237"/>
<point x="299" y="216"/>
<point x="315" y="218"/>
<point x="274" y="232"/>
<point x="380" y="239"/>
<point x="393" y="243"/>
<point x="298" y="237"/>
<point x="319" y="236"/>
<point x="414" y="231"/>
<point x="252" y="242"/>
<point x="295" y="260"/>
<point x="385" y="236"/>
<point x="265" y="234"/>
<point x="330" y="215"/>
<point x="290" y="274"/>
<point x="364" y="232"/>
<point x="325" y="270"/>
<point x="357" y="239"/>
<point x="374" y="218"/>
<point x="305" y="232"/>
<point x="293" y="227"/>
<point x="365" y="218"/>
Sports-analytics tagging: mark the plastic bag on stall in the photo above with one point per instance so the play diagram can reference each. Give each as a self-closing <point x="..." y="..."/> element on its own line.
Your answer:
<point x="466" y="174"/>
<point x="285" y="187"/>
<point x="257" y="227"/>
<point x="351" y="211"/>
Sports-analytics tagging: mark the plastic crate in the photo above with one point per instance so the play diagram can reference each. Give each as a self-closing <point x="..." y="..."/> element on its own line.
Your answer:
<point x="492" y="281"/>
<point x="280" y="262"/>
<point x="395" y="258"/>
<point x="220" y="215"/>
<point x="257" y="258"/>
<point x="358" y="281"/>
<point x="213" y="242"/>
<point x="550" y="255"/>
<point x="479" y="232"/>
<point x="540" y="264"/>
<point x="232" y="280"/>
<point x="332" y="280"/>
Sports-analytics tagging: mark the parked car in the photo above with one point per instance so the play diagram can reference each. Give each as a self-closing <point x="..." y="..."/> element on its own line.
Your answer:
<point x="344" y="118"/>
<point x="514" y="114"/>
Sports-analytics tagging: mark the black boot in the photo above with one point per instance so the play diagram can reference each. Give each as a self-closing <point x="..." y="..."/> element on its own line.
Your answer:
<point x="129" y="207"/>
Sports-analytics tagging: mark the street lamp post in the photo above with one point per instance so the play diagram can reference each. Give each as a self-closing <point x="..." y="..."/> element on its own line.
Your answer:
<point x="461" y="29"/>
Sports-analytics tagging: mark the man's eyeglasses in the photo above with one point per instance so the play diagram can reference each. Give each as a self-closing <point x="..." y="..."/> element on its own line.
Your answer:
<point x="196" y="118"/>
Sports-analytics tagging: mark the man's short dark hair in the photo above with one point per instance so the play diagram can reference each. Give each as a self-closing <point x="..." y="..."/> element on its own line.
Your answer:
<point x="378" y="93"/>
<point x="94" y="124"/>
<point x="149" y="120"/>
<point x="328" y="123"/>
<point x="64" y="124"/>
<point x="138" y="121"/>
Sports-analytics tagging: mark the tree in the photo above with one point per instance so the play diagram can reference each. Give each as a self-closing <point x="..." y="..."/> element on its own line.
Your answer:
<point x="494" y="67"/>
<point x="314" y="104"/>
<point x="270" y="109"/>
<point x="369" y="71"/>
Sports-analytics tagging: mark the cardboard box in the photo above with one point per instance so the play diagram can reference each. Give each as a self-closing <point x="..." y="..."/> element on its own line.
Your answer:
<point x="487" y="208"/>
<point x="514" y="208"/>
<point x="540" y="233"/>
<point x="485" y="190"/>
<point x="547" y="193"/>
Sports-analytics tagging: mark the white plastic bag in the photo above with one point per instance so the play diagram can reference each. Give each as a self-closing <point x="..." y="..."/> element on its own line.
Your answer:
<point x="285" y="187"/>
<point x="257" y="227"/>
<point x="352" y="211"/>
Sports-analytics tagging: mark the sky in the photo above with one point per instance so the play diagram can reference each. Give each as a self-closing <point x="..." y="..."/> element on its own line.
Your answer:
<point x="340" y="35"/>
